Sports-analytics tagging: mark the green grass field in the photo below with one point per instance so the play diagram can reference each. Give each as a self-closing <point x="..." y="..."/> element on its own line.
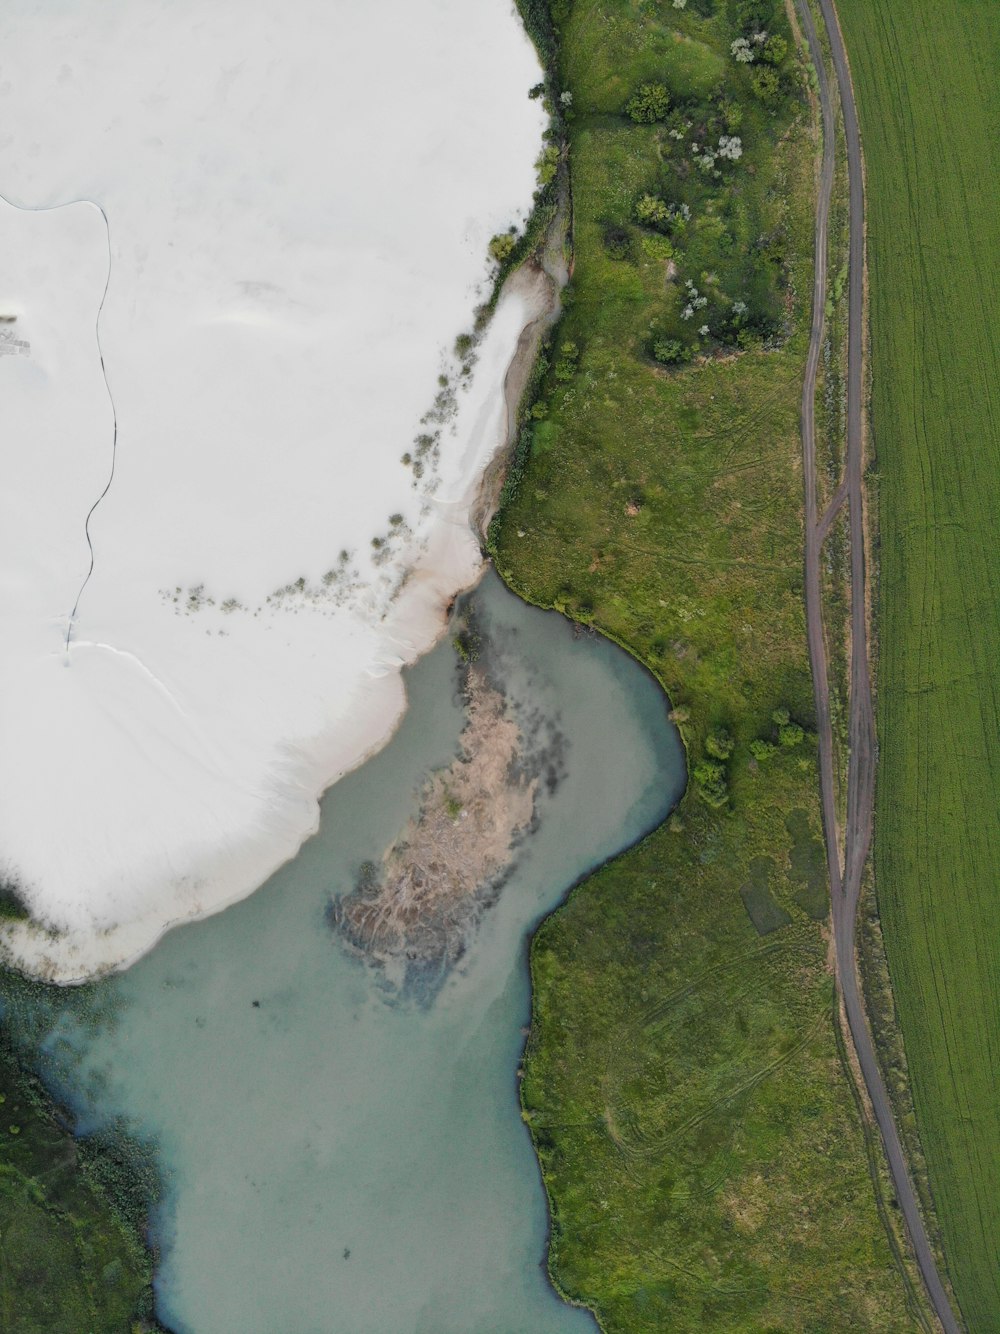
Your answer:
<point x="706" y="1164"/>
<point x="925" y="75"/>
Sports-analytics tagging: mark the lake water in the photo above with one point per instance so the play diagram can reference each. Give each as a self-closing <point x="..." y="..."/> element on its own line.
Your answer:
<point x="337" y="1162"/>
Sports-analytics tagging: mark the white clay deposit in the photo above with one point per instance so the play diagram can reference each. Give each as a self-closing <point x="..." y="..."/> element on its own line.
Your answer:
<point x="299" y="197"/>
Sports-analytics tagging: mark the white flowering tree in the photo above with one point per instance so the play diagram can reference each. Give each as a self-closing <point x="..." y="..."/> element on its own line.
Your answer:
<point x="742" y="51"/>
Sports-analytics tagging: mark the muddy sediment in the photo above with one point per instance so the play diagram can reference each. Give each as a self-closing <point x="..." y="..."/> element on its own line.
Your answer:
<point x="414" y="914"/>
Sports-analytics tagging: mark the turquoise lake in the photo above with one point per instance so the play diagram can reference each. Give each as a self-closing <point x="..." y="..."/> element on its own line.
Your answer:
<point x="337" y="1161"/>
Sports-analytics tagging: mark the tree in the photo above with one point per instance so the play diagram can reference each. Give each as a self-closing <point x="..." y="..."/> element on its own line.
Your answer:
<point x="719" y="743"/>
<point x="617" y="242"/>
<point x="502" y="246"/>
<point x="652" y="211"/>
<point x="547" y="164"/>
<point x="742" y="51"/>
<point x="710" y="778"/>
<point x="754" y="14"/>
<point x="790" y="734"/>
<point x="732" y="114"/>
<point x="649" y="103"/>
<point x="775" y="49"/>
<point x="565" y="367"/>
<point x="766" y="84"/>
<point x="761" y="749"/>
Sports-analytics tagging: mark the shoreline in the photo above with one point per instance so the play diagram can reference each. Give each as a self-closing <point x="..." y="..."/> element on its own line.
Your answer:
<point x="451" y="564"/>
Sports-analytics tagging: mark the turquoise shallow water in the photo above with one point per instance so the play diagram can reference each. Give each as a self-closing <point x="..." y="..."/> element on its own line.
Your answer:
<point x="337" y="1163"/>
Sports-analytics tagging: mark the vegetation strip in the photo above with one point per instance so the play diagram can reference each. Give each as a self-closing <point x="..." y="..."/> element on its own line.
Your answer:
<point x="71" y="1223"/>
<point x="924" y="77"/>
<point x="684" y="1090"/>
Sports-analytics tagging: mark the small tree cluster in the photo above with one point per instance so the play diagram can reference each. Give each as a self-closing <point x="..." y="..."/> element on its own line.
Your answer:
<point x="766" y="85"/>
<point x="762" y="750"/>
<point x="565" y="367"/>
<point x="789" y="733"/>
<point x="719" y="743"/>
<point x="710" y="773"/>
<point x="547" y="164"/>
<point x="710" y="778"/>
<point x="753" y="15"/>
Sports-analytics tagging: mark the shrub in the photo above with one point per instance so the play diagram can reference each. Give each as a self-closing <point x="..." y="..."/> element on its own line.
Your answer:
<point x="790" y="734"/>
<point x="710" y="778"/>
<point x="732" y="114"/>
<point x="754" y="14"/>
<point x="766" y="85"/>
<point x="742" y="51"/>
<point x="547" y="164"/>
<point x="649" y="103"/>
<point x="565" y="367"/>
<point x="652" y="211"/>
<point x="780" y="716"/>
<point x="12" y="904"/>
<point x="617" y="242"/>
<point x="761" y="749"/>
<point x="719" y="743"/>
<point x="502" y="246"/>
<point x="668" y="351"/>
<point x="775" y="49"/>
<point x="731" y="147"/>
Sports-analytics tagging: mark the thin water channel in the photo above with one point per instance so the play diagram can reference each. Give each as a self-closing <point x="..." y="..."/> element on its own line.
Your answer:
<point x="337" y="1159"/>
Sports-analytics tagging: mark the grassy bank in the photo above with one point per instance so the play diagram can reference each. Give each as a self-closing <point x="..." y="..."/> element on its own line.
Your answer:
<point x="69" y="1261"/>
<point x="702" y="1150"/>
<point x="925" y="79"/>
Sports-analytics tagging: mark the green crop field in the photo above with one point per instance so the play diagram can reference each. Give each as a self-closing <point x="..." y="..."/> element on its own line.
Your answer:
<point x="706" y="1163"/>
<point x="925" y="75"/>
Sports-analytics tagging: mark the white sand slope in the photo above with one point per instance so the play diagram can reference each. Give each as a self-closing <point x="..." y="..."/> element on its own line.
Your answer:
<point x="298" y="199"/>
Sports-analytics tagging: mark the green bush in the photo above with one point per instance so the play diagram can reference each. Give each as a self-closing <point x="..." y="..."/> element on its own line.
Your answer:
<point x="710" y="779"/>
<point x="669" y="352"/>
<point x="766" y="85"/>
<point x="565" y="367"/>
<point x="790" y="734"/>
<point x="761" y="749"/>
<point x="652" y="211"/>
<point x="649" y="103"/>
<point x="754" y="15"/>
<point x="547" y="164"/>
<point x="502" y="246"/>
<point x="617" y="242"/>
<point x="719" y="743"/>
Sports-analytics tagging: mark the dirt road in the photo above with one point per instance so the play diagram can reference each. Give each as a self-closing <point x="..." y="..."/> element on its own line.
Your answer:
<point x="845" y="885"/>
